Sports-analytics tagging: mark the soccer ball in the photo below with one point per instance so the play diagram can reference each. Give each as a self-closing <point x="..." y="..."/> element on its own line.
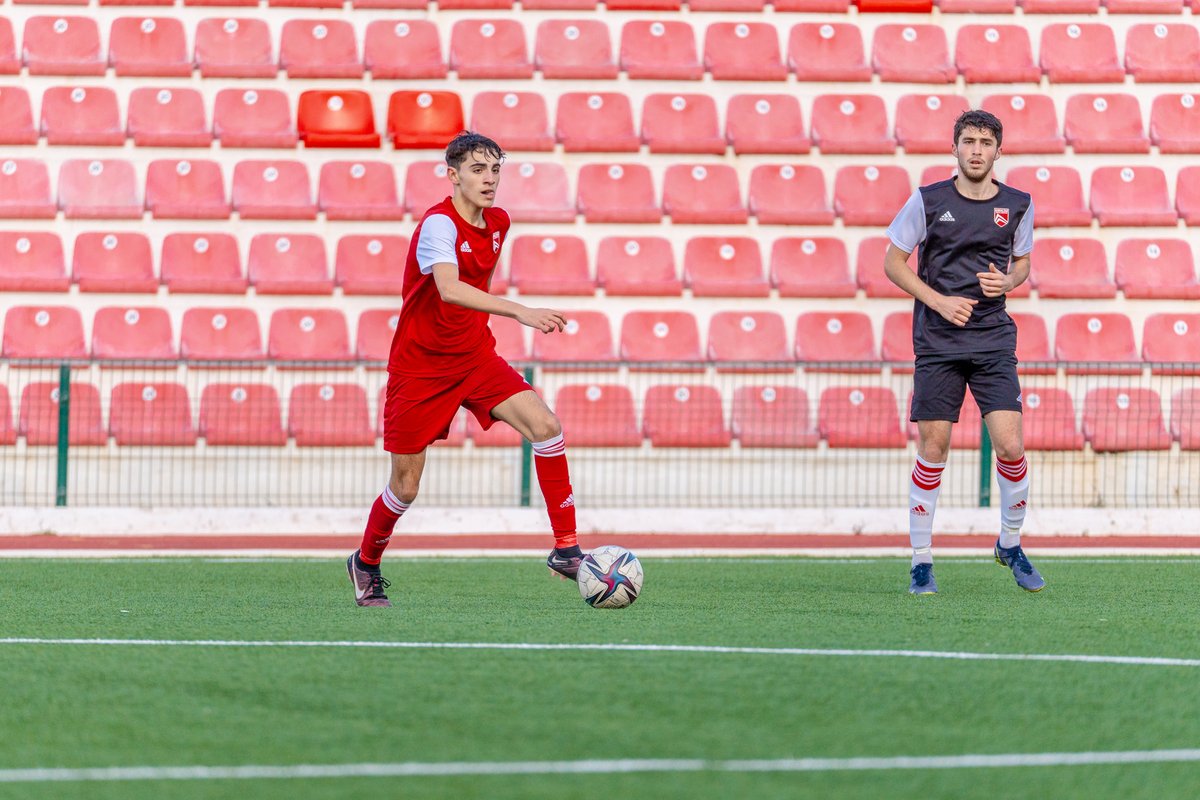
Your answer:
<point x="610" y="577"/>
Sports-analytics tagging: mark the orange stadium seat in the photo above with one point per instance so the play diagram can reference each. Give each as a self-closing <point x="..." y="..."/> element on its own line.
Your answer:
<point x="843" y="123"/>
<point x="827" y="51"/>
<point x="329" y="415"/>
<point x="773" y="416"/>
<point x="868" y="268"/>
<point x="1175" y="123"/>
<point x="550" y="265"/>
<point x="371" y="264"/>
<point x="1162" y="53"/>
<point x="1131" y="196"/>
<point x="1033" y="343"/>
<point x="43" y="332"/>
<point x="425" y="185"/>
<point x="253" y="118"/>
<point x="336" y="119"/>
<point x="17" y="113"/>
<point x="912" y="54"/>
<point x="1156" y="269"/>
<point x="403" y="50"/>
<point x="811" y="267"/>
<point x="1057" y="195"/>
<point x="81" y="116"/>
<point x="98" y="189"/>
<point x="743" y="51"/>
<point x="272" y="190"/>
<point x="492" y="49"/>
<point x="359" y="190"/>
<point x="660" y="336"/>
<point x="220" y="334"/>
<point x="860" y="416"/>
<point x="1030" y="122"/>
<point x="1104" y="123"/>
<point x="789" y="195"/>
<point x="1121" y="419"/>
<point x="113" y="262"/>
<point x="640" y="267"/>
<point x="1172" y="339"/>
<point x="925" y="122"/>
<point x="836" y="336"/>
<point x="53" y="45"/>
<point x="511" y="341"/>
<point x="518" y="120"/>
<point x="724" y="266"/>
<point x="148" y="46"/>
<point x="600" y="122"/>
<point x="681" y="123"/>
<point x="1075" y="53"/>
<point x="684" y="416"/>
<point x="32" y="261"/>
<point x="10" y="64"/>
<point x="765" y="123"/>
<point x="995" y="54"/>
<point x="122" y="332"/>
<point x="870" y="195"/>
<point x="1061" y="6"/>
<point x="151" y="414"/>
<point x="617" y="193"/>
<point x="234" y="48"/>
<point x="25" y="190"/>
<point x="587" y="338"/>
<point x="1096" y="338"/>
<point x="167" y="118"/>
<point x="202" y="263"/>
<point x="896" y="343"/>
<point x="597" y="415"/>
<point x="1048" y="419"/>
<point x="537" y="192"/>
<point x="1071" y="268"/>
<point x="1185" y="418"/>
<point x="186" y="189"/>
<point x="574" y="49"/>
<point x="325" y="48"/>
<point x="247" y="414"/>
<point x="702" y="195"/>
<point x="424" y="120"/>
<point x="308" y="334"/>
<point x="38" y="419"/>
<point x="291" y="264"/>
<point x="660" y="51"/>
<point x="753" y="336"/>
<point x="1187" y="195"/>
<point x="373" y="338"/>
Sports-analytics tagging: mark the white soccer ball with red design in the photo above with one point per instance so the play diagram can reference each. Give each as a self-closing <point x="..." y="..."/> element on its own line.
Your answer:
<point x="610" y="577"/>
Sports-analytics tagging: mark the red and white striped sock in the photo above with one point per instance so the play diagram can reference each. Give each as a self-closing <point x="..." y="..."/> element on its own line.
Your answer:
<point x="385" y="513"/>
<point x="1013" y="478"/>
<point x="550" y="460"/>
<point x="923" y="488"/>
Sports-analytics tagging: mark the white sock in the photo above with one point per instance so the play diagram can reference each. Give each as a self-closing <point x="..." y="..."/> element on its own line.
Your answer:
<point x="923" y="487"/>
<point x="1013" y="477"/>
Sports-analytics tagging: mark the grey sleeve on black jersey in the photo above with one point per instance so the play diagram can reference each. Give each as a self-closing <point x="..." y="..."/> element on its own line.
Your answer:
<point x="908" y="228"/>
<point x="1023" y="239"/>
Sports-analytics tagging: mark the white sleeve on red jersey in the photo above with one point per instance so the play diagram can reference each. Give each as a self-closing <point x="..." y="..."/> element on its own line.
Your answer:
<point x="436" y="244"/>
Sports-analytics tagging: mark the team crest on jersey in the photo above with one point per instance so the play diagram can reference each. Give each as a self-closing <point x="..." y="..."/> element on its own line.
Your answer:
<point x="495" y="241"/>
<point x="1000" y="215"/>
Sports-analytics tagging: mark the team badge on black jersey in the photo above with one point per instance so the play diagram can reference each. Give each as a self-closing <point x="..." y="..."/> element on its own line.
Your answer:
<point x="1000" y="215"/>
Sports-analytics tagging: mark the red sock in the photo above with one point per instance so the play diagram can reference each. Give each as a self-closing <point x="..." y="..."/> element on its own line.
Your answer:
<point x="550" y="459"/>
<point x="384" y="514"/>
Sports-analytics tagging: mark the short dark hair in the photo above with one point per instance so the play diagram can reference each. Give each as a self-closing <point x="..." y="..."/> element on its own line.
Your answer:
<point x="468" y="142"/>
<point x="978" y="118"/>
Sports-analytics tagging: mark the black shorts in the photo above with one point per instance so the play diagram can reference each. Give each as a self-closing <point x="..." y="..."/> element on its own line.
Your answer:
<point x="940" y="384"/>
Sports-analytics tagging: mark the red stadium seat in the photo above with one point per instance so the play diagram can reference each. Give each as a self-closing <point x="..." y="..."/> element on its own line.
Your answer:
<point x="773" y="416"/>
<point x="493" y="49"/>
<point x="1144" y="6"/>
<point x="665" y="336"/>
<point x="684" y="416"/>
<point x="424" y="120"/>
<point x="617" y="193"/>
<point x="1161" y="53"/>
<point x="724" y="266"/>
<point x="597" y="415"/>
<point x="8" y="433"/>
<point x="557" y="5"/>
<point x="43" y="332"/>
<point x="329" y="415"/>
<point x="81" y="116"/>
<point x="860" y="416"/>
<point x="925" y="122"/>
<point x="253" y="118"/>
<point x="17" y="113"/>
<point x="425" y="185"/>
<point x="574" y="49"/>
<point x="550" y="265"/>
<point x="912" y="54"/>
<point x="376" y="329"/>
<point x="1175" y="123"/>
<point x="660" y="51"/>
<point x="789" y="195"/>
<point x="272" y="190"/>
<point x="995" y="54"/>
<point x="640" y="267"/>
<point x="359" y="190"/>
<point x="748" y="336"/>
<point x="292" y="264"/>
<point x="148" y="46"/>
<point x="113" y="262"/>
<point x="120" y="332"/>
<point x="827" y="51"/>
<point x="336" y="119"/>
<point x="246" y="414"/>
<point x="896" y="343"/>
<point x="403" y="50"/>
<point x="681" y="124"/>
<point x="220" y="334"/>
<point x="25" y="190"/>
<point x="1185" y="418"/>
<point x="1172" y="340"/>
<point x="203" y="263"/>
<point x="1048" y="419"/>
<point x="1057" y="195"/>
<point x="1122" y="419"/>
<point x="587" y="338"/>
<point x="1071" y="268"/>
<point x="965" y="433"/>
<point x="167" y="118"/>
<point x="1187" y="195"/>
<point x="55" y="45"/>
<point x="372" y="265"/>
<point x="1061" y="6"/>
<point x="702" y="195"/>
<point x="1030" y="123"/>
<point x="1101" y="342"/>
<point x="511" y="340"/>
<point x="234" y="48"/>
<point x="643" y="5"/>
<point x="32" y="262"/>
<point x="765" y="123"/>
<point x="1074" y="53"/>
<point x="743" y="51"/>
<point x="186" y="189"/>
<point x="537" y="192"/>
<point x="844" y="337"/>
<point x="99" y="189"/>
<point x="1105" y="123"/>
<point x="870" y="195"/>
<point x="325" y="48"/>
<point x="518" y="119"/>
<point x="38" y="419"/>
<point x="595" y="122"/>
<point x="811" y="267"/>
<point x="501" y="434"/>
<point x="10" y="63"/>
<point x="151" y="414"/>
<point x="868" y="268"/>
<point x="1131" y="196"/>
<point x="1033" y="343"/>
<point x="1156" y="269"/>
<point x="935" y="173"/>
<point x="850" y="124"/>
<point x="308" y="334"/>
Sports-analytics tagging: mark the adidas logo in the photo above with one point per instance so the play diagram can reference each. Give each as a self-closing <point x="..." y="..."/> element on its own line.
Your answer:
<point x="947" y="217"/>
<point x="918" y="511"/>
<point x="569" y="502"/>
<point x="1015" y="506"/>
<point x="465" y="247"/>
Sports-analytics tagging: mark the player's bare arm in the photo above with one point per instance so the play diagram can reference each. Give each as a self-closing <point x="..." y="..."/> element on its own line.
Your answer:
<point x="956" y="310"/>
<point x="996" y="283"/>
<point x="452" y="290"/>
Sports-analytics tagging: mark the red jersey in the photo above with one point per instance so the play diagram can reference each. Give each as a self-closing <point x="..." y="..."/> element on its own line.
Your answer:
<point x="434" y="337"/>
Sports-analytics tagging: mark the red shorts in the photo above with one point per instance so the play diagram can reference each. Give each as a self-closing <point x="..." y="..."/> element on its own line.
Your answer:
<point x="418" y="411"/>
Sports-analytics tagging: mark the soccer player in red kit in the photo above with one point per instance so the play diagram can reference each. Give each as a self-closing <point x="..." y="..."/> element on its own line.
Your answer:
<point x="444" y="356"/>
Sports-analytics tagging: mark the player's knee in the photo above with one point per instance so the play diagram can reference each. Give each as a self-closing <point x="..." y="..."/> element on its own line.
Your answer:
<point x="546" y="426"/>
<point x="1009" y="452"/>
<point x="405" y="487"/>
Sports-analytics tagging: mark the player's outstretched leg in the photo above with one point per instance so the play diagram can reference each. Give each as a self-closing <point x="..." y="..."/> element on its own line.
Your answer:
<point x="923" y="488"/>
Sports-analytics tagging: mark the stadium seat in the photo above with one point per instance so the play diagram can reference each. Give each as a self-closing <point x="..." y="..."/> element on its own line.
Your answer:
<point x="574" y="49"/>
<point x="491" y="49"/>
<point x="371" y="265"/>
<point x="1118" y="419"/>
<point x="1099" y="342"/>
<point x="663" y="336"/>
<point x="936" y="173"/>
<point x="1033" y="344"/>
<point x="10" y="63"/>
<point x="1156" y="269"/>
<point x="373" y="337"/>
<point x="253" y="118"/>
<point x="1162" y="53"/>
<point x="550" y="265"/>
<point x="1080" y="53"/>
<point x="724" y="266"/>
<point x="660" y="51"/>
<point x="81" y="116"/>
<point x="404" y="50"/>
<point x="868" y="268"/>
<point x="186" y="189"/>
<point x="644" y="5"/>
<point x="53" y="45"/>
<point x="639" y="267"/>
<point x="1061" y="6"/>
<point x="151" y="414"/>
<point x="38" y="418"/>
<point x="1071" y="268"/>
<point x="850" y="124"/>
<point x="220" y="334"/>
<point x="113" y="262"/>
<point x="743" y="51"/>
<point x="1048" y="419"/>
<point x="964" y="434"/>
<point x="474" y="5"/>
<point x="1187" y="195"/>
<point x="32" y="261"/>
<point x="1030" y="123"/>
<point x="839" y="341"/>
<point x="1144" y="6"/>
<point x="167" y="118"/>
<point x="1104" y="123"/>
<point x="272" y="190"/>
<point x="1131" y="196"/>
<point x="143" y="333"/>
<point x="308" y="334"/>
<point x="17" y="113"/>
<point x="501" y="434"/>
<point x="141" y="46"/>
<point x="912" y="54"/>
<point x="702" y="195"/>
<point x="98" y="189"/>
<point x="336" y="119"/>
<point x="43" y="332"/>
<point x="599" y="122"/>
<point x="684" y="416"/>
<point x="518" y="119"/>
<point x="995" y="54"/>
<point x="234" y="48"/>
<point x="329" y="415"/>
<point x="25" y="190"/>
<point x="1172" y="341"/>
<point x="424" y="120"/>
<point x="536" y="192"/>
<point x="789" y="195"/>
<point x="681" y="124"/>
<point x="896" y="342"/>
<point x="860" y="416"/>
<point x="425" y="185"/>
<point x="246" y="414"/>
<point x="748" y="336"/>
<point x="557" y="5"/>
<point x="511" y="341"/>
<point x="8" y="433"/>
<point x="925" y="122"/>
<point x="325" y="48"/>
<point x="617" y="193"/>
<point x="359" y="190"/>
<point x="291" y="264"/>
<point x="202" y="263"/>
<point x="1057" y="195"/>
<point x="1175" y="123"/>
<point x="597" y="415"/>
<point x="870" y="195"/>
<point x="827" y="51"/>
<point x="765" y="123"/>
<point x="587" y="338"/>
<point x="773" y="416"/>
<point x="1185" y="418"/>
<point x="811" y="267"/>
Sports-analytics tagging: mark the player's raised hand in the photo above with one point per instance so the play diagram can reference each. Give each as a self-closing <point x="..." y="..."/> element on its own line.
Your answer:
<point x="956" y="310"/>
<point x="546" y="320"/>
<point x="993" y="282"/>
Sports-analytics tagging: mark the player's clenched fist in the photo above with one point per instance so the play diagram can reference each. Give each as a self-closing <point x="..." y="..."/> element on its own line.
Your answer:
<point x="994" y="282"/>
<point x="545" y="320"/>
<point x="956" y="310"/>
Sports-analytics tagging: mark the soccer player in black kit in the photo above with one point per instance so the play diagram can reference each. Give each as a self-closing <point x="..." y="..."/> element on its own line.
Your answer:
<point x="968" y="228"/>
